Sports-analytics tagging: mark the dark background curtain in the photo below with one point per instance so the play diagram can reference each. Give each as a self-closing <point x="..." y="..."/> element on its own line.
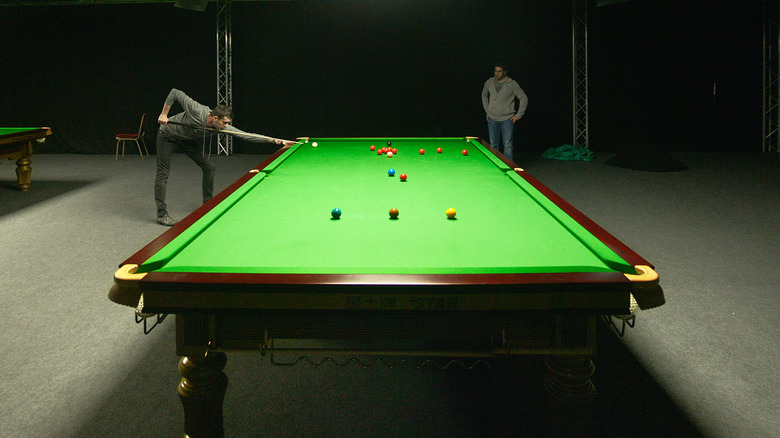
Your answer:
<point x="401" y="68"/>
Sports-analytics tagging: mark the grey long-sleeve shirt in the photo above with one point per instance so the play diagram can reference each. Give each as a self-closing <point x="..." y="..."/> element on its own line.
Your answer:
<point x="195" y="114"/>
<point x="500" y="105"/>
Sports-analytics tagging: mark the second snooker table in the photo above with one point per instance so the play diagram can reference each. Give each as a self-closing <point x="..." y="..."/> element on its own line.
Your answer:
<point x="17" y="143"/>
<point x="517" y="271"/>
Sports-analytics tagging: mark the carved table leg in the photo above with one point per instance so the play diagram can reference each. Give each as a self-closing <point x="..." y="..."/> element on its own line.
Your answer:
<point x="570" y="395"/>
<point x="202" y="392"/>
<point x="23" y="168"/>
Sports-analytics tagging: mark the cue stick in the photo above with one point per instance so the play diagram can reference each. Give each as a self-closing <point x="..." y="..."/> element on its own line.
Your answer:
<point x="206" y="128"/>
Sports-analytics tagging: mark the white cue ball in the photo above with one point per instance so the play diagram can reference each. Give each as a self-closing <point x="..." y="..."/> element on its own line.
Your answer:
<point x="314" y="144"/>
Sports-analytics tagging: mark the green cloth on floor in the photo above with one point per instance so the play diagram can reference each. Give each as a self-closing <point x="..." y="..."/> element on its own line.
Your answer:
<point x="570" y="153"/>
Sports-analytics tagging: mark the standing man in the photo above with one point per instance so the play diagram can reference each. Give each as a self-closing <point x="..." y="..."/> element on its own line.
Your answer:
<point x="187" y="134"/>
<point x="504" y="103"/>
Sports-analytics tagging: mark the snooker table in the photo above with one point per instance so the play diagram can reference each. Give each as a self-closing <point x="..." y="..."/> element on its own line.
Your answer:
<point x="17" y="143"/>
<point x="264" y="266"/>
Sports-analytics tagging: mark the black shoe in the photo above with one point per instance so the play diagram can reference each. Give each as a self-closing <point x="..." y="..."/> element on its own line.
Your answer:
<point x="166" y="220"/>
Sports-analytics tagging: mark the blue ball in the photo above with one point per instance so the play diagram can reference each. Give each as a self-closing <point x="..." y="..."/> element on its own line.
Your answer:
<point x="336" y="213"/>
<point x="391" y="172"/>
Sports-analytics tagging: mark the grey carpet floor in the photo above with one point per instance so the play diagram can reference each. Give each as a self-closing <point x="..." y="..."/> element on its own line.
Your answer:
<point x="705" y="364"/>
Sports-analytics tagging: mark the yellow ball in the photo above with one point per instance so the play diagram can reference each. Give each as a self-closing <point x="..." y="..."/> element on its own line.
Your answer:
<point x="450" y="213"/>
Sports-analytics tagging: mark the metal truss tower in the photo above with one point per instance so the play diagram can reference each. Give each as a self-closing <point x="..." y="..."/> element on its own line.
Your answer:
<point x="224" y="67"/>
<point x="771" y="83"/>
<point x="579" y="37"/>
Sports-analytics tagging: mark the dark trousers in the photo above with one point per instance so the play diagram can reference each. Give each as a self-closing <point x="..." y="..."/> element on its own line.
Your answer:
<point x="166" y="146"/>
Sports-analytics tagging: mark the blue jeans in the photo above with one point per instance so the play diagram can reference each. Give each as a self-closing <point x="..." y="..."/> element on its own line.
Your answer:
<point x="502" y="131"/>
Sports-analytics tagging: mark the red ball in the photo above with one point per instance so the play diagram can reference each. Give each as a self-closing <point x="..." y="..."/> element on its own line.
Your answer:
<point x="422" y="151"/>
<point x="403" y="177"/>
<point x="394" y="150"/>
<point x="438" y="150"/>
<point x="379" y="151"/>
<point x="465" y="152"/>
<point x="373" y="148"/>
